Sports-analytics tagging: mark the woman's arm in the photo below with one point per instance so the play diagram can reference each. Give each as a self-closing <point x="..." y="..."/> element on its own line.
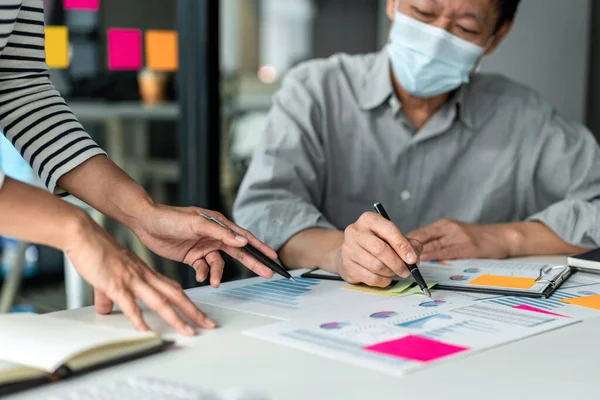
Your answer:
<point x="34" y="215"/>
<point x="36" y="119"/>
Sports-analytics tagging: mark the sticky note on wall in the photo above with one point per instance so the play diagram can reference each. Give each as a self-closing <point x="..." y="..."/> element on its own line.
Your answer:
<point x="511" y="282"/>
<point x="87" y="5"/>
<point x="162" y="53"/>
<point x="124" y="49"/>
<point x="57" y="46"/>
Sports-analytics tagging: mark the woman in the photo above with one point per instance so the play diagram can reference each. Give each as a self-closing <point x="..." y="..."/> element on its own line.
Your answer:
<point x="41" y="126"/>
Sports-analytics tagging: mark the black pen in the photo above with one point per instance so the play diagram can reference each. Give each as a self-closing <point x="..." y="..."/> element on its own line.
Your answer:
<point x="254" y="252"/>
<point x="414" y="270"/>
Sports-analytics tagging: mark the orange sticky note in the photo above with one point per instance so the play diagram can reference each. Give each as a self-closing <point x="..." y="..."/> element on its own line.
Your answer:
<point x="162" y="53"/>
<point x="510" y="282"/>
<point x="57" y="46"/>
<point x="586" y="301"/>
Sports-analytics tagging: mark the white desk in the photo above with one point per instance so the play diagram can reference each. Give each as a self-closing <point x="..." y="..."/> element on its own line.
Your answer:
<point x="559" y="365"/>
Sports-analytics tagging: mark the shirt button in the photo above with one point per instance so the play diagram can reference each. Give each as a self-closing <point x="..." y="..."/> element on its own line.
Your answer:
<point x="405" y="195"/>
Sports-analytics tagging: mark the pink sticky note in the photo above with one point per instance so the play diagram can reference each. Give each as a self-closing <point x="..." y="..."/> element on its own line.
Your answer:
<point x="124" y="49"/>
<point x="538" y="310"/>
<point x="88" y="5"/>
<point x="416" y="348"/>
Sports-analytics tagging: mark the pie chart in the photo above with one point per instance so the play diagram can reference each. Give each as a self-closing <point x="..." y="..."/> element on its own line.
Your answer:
<point x="384" y="314"/>
<point x="433" y="303"/>
<point x="333" y="325"/>
<point x="586" y="293"/>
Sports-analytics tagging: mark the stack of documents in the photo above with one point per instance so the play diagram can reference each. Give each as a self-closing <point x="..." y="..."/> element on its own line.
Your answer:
<point x="396" y="331"/>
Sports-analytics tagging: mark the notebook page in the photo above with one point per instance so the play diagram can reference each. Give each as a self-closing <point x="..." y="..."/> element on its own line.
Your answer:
<point x="47" y="343"/>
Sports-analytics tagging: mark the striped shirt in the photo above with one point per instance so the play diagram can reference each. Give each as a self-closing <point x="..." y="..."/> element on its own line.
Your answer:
<point x="33" y="114"/>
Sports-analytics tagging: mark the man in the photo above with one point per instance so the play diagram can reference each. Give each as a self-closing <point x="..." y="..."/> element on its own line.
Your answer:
<point x="467" y="165"/>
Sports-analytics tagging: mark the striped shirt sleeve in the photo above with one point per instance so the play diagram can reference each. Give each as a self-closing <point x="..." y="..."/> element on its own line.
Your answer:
<point x="33" y="114"/>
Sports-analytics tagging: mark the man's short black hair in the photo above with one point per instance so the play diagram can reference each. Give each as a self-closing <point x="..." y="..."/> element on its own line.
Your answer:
<point x="507" y="10"/>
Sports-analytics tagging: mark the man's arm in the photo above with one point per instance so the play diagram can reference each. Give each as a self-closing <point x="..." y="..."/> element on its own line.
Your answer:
<point x="565" y="186"/>
<point x="281" y="192"/>
<point x="283" y="187"/>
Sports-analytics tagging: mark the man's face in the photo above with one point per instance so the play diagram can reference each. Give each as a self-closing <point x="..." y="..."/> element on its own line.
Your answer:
<point x="472" y="20"/>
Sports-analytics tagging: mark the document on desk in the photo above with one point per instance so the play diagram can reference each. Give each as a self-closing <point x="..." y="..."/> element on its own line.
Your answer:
<point x="282" y="299"/>
<point x="402" y="334"/>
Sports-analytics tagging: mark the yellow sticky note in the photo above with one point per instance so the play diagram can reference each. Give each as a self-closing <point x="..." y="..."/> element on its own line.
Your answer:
<point x="57" y="46"/>
<point x="586" y="301"/>
<point x="510" y="282"/>
<point x="370" y="290"/>
<point x="162" y="53"/>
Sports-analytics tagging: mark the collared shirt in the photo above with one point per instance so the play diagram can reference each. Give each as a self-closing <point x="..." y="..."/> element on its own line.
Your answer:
<point x="336" y="142"/>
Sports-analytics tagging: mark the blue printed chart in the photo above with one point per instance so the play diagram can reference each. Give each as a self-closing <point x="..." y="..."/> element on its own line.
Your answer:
<point x="279" y="293"/>
<point x="280" y="298"/>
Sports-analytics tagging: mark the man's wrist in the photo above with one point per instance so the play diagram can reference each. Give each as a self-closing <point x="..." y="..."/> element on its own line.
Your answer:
<point x="513" y="237"/>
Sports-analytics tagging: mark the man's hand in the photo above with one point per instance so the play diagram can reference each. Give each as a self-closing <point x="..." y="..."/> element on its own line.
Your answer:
<point x="450" y="240"/>
<point x="373" y="251"/>
<point x="181" y="234"/>
<point x="119" y="276"/>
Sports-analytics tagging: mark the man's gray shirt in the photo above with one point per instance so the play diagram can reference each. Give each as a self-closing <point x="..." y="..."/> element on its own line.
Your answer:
<point x="337" y="141"/>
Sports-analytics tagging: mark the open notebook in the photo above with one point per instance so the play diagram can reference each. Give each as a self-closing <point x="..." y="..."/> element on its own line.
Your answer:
<point x="36" y="349"/>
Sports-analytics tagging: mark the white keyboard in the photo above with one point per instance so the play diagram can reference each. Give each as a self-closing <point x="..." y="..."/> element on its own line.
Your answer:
<point x="152" y="389"/>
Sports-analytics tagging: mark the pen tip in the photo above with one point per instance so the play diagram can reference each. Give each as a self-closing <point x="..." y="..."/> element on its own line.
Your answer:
<point x="292" y="278"/>
<point x="427" y="292"/>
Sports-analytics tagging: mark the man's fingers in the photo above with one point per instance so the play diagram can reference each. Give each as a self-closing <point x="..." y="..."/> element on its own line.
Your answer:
<point x="217" y="265"/>
<point x="201" y="268"/>
<point x="132" y="311"/>
<point x="390" y="233"/>
<point x="447" y="253"/>
<point x="249" y="262"/>
<point x="160" y="304"/>
<point x="355" y="273"/>
<point x="429" y="232"/>
<point x="176" y="296"/>
<point x="382" y="252"/>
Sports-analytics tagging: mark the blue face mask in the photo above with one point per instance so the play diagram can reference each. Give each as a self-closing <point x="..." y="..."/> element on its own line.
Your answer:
<point x="429" y="61"/>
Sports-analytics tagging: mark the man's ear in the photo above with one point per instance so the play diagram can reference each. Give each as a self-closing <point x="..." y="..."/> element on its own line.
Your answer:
<point x="499" y="37"/>
<point x="391" y="9"/>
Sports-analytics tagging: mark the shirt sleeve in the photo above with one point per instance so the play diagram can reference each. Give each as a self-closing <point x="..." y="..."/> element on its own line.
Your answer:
<point x="1" y="178"/>
<point x="33" y="114"/>
<point x="567" y="180"/>
<point x="283" y="186"/>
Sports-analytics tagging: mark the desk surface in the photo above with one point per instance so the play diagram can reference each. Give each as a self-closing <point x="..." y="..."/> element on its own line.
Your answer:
<point x="561" y="364"/>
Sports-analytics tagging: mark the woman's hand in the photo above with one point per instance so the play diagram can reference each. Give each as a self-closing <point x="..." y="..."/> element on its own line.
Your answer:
<point x="119" y="276"/>
<point x="181" y="234"/>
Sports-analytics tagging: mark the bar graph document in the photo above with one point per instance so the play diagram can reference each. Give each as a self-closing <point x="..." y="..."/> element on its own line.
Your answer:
<point x="280" y="298"/>
<point x="402" y="334"/>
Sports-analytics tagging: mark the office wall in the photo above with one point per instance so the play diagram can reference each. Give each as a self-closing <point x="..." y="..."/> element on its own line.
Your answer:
<point x="349" y="26"/>
<point x="593" y="106"/>
<point x="548" y="50"/>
